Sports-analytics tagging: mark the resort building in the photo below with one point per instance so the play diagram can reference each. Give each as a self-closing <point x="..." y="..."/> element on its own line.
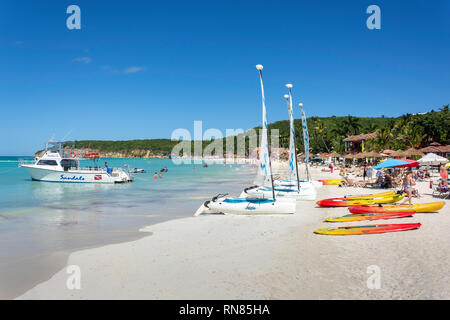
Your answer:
<point x="355" y="144"/>
<point x="437" y="148"/>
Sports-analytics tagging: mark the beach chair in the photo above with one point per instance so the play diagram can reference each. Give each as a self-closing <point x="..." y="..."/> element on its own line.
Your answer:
<point x="441" y="192"/>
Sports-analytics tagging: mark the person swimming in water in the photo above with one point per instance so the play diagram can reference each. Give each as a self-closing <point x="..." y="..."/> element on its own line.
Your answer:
<point x="156" y="175"/>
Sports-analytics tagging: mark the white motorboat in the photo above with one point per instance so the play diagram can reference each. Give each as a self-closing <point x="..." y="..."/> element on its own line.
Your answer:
<point x="251" y="205"/>
<point x="56" y="165"/>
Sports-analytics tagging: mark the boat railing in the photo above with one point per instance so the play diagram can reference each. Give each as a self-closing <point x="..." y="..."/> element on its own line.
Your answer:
<point x="103" y="170"/>
<point x="22" y="162"/>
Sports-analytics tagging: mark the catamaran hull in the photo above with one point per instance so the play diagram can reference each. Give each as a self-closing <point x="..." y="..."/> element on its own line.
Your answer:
<point x="40" y="174"/>
<point x="249" y="208"/>
<point x="307" y="193"/>
<point x="303" y="183"/>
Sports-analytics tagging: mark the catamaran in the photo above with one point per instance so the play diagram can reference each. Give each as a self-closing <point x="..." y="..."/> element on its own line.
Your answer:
<point x="57" y="165"/>
<point x="247" y="205"/>
<point x="292" y="187"/>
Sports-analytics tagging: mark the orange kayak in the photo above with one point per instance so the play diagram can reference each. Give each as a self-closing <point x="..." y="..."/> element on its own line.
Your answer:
<point x="381" y="208"/>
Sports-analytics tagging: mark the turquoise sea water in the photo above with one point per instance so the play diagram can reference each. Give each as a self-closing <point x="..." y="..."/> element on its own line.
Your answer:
<point x="41" y="222"/>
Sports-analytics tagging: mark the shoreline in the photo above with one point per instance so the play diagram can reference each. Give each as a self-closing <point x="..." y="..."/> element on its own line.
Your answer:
<point x="264" y="257"/>
<point x="26" y="268"/>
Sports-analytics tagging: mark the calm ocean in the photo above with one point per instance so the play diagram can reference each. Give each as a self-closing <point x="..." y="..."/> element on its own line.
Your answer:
<point x="42" y="222"/>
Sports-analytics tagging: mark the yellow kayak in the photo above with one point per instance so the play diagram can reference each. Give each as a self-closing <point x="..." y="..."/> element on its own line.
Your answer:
<point x="343" y="202"/>
<point x="368" y="229"/>
<point x="372" y="195"/>
<point x="418" y="207"/>
<point x="333" y="182"/>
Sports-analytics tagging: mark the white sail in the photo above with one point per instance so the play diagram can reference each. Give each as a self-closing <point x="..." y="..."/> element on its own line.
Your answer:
<point x="264" y="172"/>
<point x="305" y="139"/>
<point x="292" y="169"/>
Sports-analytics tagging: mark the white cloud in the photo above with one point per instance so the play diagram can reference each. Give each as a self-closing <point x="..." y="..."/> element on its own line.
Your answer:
<point x="85" y="60"/>
<point x="109" y="69"/>
<point x="133" y="69"/>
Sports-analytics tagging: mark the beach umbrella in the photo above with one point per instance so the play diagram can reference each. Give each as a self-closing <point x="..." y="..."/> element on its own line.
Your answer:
<point x="411" y="152"/>
<point x="413" y="163"/>
<point x="392" y="163"/>
<point x="349" y="156"/>
<point x="432" y="159"/>
<point x="361" y="155"/>
<point x="334" y="154"/>
<point x="373" y="154"/>
<point x="397" y="154"/>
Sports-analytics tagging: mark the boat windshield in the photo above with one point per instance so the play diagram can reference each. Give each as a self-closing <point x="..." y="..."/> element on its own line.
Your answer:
<point x="47" y="163"/>
<point x="68" y="163"/>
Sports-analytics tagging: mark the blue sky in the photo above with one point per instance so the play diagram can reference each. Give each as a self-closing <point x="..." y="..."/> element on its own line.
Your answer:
<point x="140" y="69"/>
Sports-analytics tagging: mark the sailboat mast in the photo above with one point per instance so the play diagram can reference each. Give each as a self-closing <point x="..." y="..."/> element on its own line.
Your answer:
<point x="292" y="133"/>
<point x="259" y="67"/>
<point x="305" y="140"/>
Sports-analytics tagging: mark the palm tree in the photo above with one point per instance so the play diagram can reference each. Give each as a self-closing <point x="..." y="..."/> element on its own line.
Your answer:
<point x="414" y="136"/>
<point x="384" y="138"/>
<point x="351" y="125"/>
<point x="320" y="129"/>
<point x="371" y="127"/>
<point x="444" y="108"/>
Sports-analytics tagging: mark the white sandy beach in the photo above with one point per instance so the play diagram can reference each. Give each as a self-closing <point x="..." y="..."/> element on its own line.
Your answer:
<point x="266" y="257"/>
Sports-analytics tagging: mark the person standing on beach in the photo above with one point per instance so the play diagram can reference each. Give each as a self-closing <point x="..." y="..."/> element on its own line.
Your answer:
<point x="444" y="175"/>
<point x="408" y="182"/>
<point x="369" y="173"/>
<point x="365" y="171"/>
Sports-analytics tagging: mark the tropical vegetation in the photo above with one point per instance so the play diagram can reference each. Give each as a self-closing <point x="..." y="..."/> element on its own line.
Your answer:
<point x="326" y="134"/>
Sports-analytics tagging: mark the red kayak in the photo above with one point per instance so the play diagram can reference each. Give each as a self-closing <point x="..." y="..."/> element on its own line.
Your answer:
<point x="368" y="229"/>
<point x="370" y="216"/>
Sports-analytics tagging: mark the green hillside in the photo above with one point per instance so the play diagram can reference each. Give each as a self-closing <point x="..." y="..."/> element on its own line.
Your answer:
<point x="326" y="134"/>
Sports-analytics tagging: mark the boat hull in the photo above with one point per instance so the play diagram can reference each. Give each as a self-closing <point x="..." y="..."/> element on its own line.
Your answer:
<point x="303" y="183"/>
<point x="306" y="193"/>
<point x="79" y="176"/>
<point x="245" y="206"/>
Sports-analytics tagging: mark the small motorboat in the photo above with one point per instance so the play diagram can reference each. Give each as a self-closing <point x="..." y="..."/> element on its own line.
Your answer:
<point x="137" y="170"/>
